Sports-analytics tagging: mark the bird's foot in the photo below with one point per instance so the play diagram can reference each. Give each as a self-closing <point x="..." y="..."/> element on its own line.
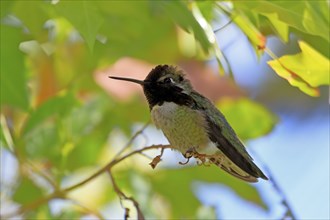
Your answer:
<point x="202" y="159"/>
<point x="184" y="163"/>
<point x="188" y="154"/>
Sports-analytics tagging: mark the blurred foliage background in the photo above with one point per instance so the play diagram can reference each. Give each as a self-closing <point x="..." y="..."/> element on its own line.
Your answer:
<point x="62" y="119"/>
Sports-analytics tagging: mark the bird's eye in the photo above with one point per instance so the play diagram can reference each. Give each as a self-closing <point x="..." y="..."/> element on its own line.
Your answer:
<point x="168" y="80"/>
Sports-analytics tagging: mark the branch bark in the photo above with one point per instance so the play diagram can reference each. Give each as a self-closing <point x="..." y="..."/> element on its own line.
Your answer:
<point x="62" y="193"/>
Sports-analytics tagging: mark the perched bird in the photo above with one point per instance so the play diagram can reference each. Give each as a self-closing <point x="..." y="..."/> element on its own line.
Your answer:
<point x="193" y="125"/>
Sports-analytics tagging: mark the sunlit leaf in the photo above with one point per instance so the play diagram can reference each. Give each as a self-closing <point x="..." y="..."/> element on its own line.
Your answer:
<point x="207" y="9"/>
<point x="12" y="81"/>
<point x="210" y="35"/>
<point x="26" y="192"/>
<point x="316" y="18"/>
<point x="249" y="119"/>
<point x="183" y="17"/>
<point x="254" y="35"/>
<point x="280" y="27"/>
<point x="176" y="186"/>
<point x="304" y="16"/>
<point x="306" y="70"/>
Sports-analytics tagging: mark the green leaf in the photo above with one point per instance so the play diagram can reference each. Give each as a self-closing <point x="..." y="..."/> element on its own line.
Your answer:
<point x="26" y="192"/>
<point x="306" y="70"/>
<point x="5" y="7"/>
<point x="123" y="116"/>
<point x="84" y="16"/>
<point x="175" y="185"/>
<point x="179" y="12"/>
<point x="131" y="21"/>
<point x="305" y="16"/>
<point x="249" y="119"/>
<point x="60" y="104"/>
<point x="3" y="141"/>
<point x="33" y="14"/>
<point x="316" y="18"/>
<point x="86" y="151"/>
<point x="4" y="133"/>
<point x="87" y="129"/>
<point x="12" y="79"/>
<point x="207" y="9"/>
<point x="210" y="35"/>
<point x="43" y="143"/>
<point x="280" y="27"/>
<point x="242" y="20"/>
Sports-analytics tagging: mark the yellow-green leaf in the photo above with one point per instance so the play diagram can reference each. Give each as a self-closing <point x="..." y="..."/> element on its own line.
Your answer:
<point x="306" y="70"/>
<point x="280" y="27"/>
<point x="248" y="118"/>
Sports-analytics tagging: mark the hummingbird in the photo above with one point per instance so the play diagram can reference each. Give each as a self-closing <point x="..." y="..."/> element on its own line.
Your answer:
<point x="193" y="125"/>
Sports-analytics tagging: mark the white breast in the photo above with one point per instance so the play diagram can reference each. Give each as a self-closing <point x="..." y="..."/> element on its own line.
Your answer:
<point x="162" y="115"/>
<point x="183" y="127"/>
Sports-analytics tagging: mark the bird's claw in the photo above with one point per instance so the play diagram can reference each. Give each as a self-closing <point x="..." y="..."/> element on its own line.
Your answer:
<point x="188" y="154"/>
<point x="184" y="163"/>
<point x="203" y="159"/>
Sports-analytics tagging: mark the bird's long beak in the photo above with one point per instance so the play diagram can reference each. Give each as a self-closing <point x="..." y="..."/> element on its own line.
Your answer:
<point x="128" y="79"/>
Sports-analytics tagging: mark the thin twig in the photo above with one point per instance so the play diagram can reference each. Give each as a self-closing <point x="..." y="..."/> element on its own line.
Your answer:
<point x="289" y="212"/>
<point x="62" y="193"/>
<point x="42" y="174"/>
<point x="87" y="209"/>
<point x="122" y="196"/>
<point x="112" y="163"/>
<point x="33" y="205"/>
<point x="132" y="139"/>
<point x="225" y="25"/>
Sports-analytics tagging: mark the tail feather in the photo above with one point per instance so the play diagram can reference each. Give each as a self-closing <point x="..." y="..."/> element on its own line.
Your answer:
<point x="227" y="165"/>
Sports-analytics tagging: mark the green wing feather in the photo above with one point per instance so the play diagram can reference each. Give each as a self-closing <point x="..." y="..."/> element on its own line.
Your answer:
<point x="225" y="138"/>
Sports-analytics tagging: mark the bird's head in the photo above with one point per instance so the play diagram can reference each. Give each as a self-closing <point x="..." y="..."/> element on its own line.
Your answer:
<point x="164" y="83"/>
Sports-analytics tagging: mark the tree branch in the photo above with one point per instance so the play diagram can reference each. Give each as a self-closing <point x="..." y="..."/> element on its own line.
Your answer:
<point x="289" y="214"/>
<point x="132" y="139"/>
<point x="122" y="196"/>
<point x="113" y="163"/>
<point x="62" y="193"/>
<point x="87" y="209"/>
